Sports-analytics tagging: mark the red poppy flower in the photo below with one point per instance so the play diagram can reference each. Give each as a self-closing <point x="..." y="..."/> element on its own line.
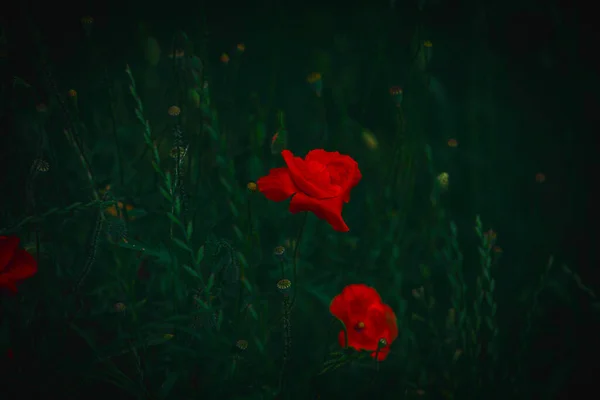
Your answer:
<point x="366" y="318"/>
<point x="15" y="264"/>
<point x="320" y="183"/>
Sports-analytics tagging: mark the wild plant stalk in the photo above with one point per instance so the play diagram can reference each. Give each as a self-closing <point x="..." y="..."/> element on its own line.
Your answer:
<point x="71" y="131"/>
<point x="113" y="119"/>
<point x="92" y="249"/>
<point x="526" y="333"/>
<point x="71" y="139"/>
<point x="287" y="339"/>
<point x="458" y="287"/>
<point x="578" y="282"/>
<point x="484" y="296"/>
<point x="454" y="259"/>
<point x="295" y="260"/>
<point x="166" y="181"/>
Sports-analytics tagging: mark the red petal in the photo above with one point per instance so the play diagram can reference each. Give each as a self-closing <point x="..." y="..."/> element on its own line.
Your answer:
<point x="7" y="284"/>
<point x="362" y="293"/>
<point x="342" y="162"/>
<point x="322" y="156"/>
<point x="354" y="177"/>
<point x="328" y="209"/>
<point x="22" y="266"/>
<point x="392" y="323"/>
<point x="342" y="339"/>
<point x="383" y="353"/>
<point x="339" y="308"/>
<point x="313" y="184"/>
<point x="8" y="245"/>
<point x="278" y="185"/>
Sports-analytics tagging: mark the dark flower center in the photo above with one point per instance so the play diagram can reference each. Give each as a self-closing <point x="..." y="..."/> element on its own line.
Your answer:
<point x="359" y="326"/>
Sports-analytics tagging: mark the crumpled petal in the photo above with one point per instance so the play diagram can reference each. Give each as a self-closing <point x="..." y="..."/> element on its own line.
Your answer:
<point x="320" y="188"/>
<point x="329" y="210"/>
<point x="8" y="245"/>
<point x="362" y="303"/>
<point x="278" y="185"/>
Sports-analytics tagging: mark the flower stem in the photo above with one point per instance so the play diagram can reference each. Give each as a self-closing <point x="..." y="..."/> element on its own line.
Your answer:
<point x="295" y="261"/>
<point x="282" y="265"/>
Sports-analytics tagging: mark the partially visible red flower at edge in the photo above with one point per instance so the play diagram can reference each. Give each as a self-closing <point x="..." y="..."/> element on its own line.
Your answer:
<point x="367" y="319"/>
<point x="15" y="264"/>
<point x="320" y="183"/>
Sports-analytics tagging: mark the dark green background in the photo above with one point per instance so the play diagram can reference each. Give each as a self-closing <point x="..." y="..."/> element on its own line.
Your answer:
<point x="533" y="65"/>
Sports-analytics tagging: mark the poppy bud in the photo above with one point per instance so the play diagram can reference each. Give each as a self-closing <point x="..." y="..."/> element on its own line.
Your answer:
<point x="241" y="344"/>
<point x="87" y="23"/>
<point x="40" y="165"/>
<point x="284" y="285"/>
<point x="279" y="252"/>
<point x="178" y="152"/>
<point x="443" y="180"/>
<point x="174" y="111"/>
<point x="72" y="95"/>
<point x="428" y="48"/>
<point x="397" y="94"/>
<point x="382" y="343"/>
<point x="251" y="186"/>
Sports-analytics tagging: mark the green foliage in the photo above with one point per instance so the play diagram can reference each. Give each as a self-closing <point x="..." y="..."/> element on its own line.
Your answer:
<point x="182" y="300"/>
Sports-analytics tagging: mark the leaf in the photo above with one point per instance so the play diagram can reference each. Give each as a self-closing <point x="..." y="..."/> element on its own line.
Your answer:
<point x="482" y="252"/>
<point x="211" y="282"/>
<point x="234" y="209"/>
<point x="247" y="285"/>
<point x="168" y="384"/>
<point x="174" y="219"/>
<point x="192" y="272"/>
<point x="200" y="255"/>
<point x="74" y="205"/>
<point x="238" y="233"/>
<point x="50" y="211"/>
<point x="86" y="338"/>
<point x="259" y="345"/>
<point x="240" y="257"/>
<point x="489" y="299"/>
<point x="179" y="243"/>
<point x="252" y="312"/>
<point x="453" y="228"/>
<point x="225" y="184"/>
<point x="165" y="194"/>
<point x="490" y="323"/>
<point x="189" y="230"/>
<point x="178" y="205"/>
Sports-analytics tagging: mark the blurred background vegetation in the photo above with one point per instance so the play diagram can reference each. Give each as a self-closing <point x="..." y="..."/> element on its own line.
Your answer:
<point x="130" y="304"/>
